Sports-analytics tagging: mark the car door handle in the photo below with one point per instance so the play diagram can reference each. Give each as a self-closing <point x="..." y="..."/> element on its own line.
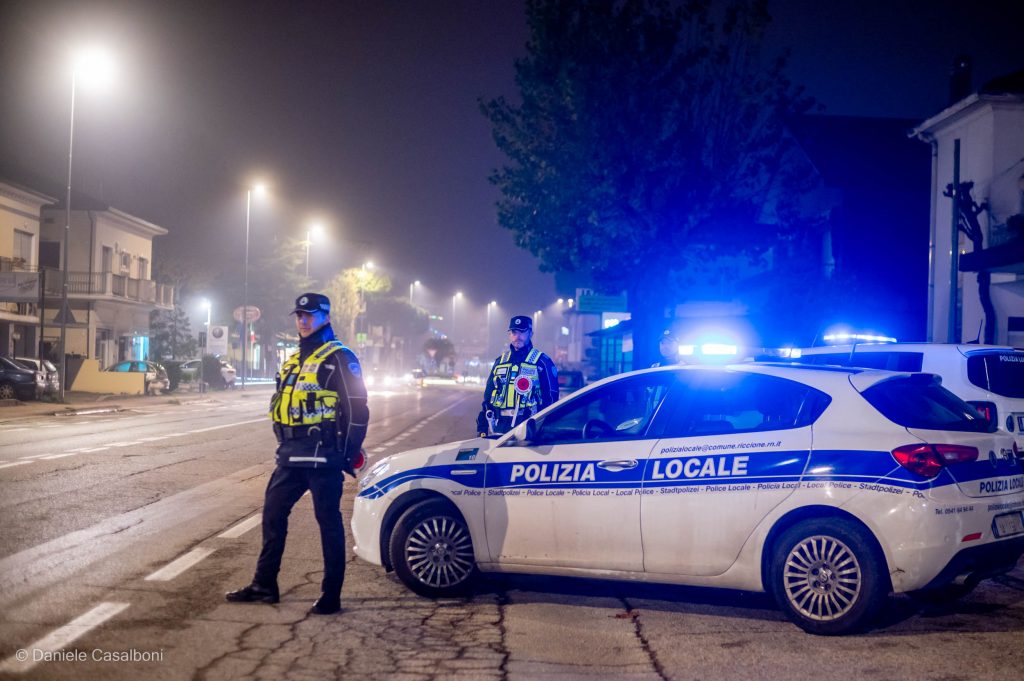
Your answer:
<point x="617" y="465"/>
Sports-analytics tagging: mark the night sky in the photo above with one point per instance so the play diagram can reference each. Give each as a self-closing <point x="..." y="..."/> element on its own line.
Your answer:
<point x="364" y="115"/>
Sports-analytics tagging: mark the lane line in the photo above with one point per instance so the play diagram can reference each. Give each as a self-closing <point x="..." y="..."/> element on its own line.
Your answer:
<point x="14" y="463"/>
<point x="57" y="456"/>
<point x="34" y="456"/>
<point x="241" y="528"/>
<point x="60" y="638"/>
<point x="179" y="565"/>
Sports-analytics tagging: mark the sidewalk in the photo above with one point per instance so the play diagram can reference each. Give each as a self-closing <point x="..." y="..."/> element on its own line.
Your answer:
<point x="96" y="403"/>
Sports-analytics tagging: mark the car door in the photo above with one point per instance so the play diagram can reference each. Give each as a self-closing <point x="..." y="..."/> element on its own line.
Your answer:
<point x="734" y="445"/>
<point x="570" y="496"/>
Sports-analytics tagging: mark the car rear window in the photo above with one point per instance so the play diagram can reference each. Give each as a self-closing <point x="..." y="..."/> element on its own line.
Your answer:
<point x="998" y="372"/>
<point x="921" y="402"/>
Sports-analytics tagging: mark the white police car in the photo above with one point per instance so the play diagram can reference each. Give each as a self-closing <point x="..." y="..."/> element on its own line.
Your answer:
<point x="828" y="487"/>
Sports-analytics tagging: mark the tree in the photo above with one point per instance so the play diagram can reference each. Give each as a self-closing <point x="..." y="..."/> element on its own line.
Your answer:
<point x="649" y="139"/>
<point x="348" y="291"/>
<point x="170" y="335"/>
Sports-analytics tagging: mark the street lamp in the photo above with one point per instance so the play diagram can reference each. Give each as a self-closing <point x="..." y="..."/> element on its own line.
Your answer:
<point x="490" y="305"/>
<point x="98" y="66"/>
<point x="315" y="230"/>
<point x="412" y="286"/>
<point x="259" y="189"/>
<point x="458" y="294"/>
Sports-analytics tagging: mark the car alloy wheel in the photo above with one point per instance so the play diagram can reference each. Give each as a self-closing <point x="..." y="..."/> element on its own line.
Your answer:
<point x="432" y="550"/>
<point x="826" y="576"/>
<point x="7" y="391"/>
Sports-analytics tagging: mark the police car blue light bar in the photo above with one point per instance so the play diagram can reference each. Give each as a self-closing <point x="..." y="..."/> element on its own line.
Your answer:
<point x="860" y="337"/>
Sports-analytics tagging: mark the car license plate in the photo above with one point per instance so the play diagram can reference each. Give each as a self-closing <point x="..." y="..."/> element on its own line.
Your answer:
<point x="1009" y="524"/>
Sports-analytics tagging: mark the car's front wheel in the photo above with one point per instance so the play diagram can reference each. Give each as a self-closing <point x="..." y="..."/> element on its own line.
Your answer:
<point x="7" y="391"/>
<point x="432" y="550"/>
<point x="827" y="577"/>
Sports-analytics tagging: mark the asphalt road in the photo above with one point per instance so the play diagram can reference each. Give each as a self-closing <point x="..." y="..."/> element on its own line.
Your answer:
<point x="120" y="533"/>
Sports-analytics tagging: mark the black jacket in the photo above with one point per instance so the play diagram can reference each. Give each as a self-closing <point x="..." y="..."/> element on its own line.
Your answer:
<point x="340" y="373"/>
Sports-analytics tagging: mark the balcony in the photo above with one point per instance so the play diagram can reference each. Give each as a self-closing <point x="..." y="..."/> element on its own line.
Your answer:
<point x="109" y="286"/>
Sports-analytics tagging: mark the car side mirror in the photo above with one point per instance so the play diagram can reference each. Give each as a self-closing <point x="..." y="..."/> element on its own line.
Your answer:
<point x="531" y="430"/>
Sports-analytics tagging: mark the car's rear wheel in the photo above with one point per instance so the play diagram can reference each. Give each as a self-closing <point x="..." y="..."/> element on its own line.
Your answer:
<point x="7" y="391"/>
<point x="827" y="577"/>
<point x="432" y="550"/>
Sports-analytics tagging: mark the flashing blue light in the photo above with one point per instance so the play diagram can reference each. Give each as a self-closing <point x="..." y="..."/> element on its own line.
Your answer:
<point x="686" y="350"/>
<point x="791" y="353"/>
<point x="718" y="349"/>
<point x="858" y="337"/>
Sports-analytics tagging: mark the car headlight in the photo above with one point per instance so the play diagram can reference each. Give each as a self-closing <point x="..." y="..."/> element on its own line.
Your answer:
<point x="374" y="474"/>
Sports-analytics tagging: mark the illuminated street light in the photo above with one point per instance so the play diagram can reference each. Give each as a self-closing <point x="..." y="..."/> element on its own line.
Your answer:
<point x="97" y="65"/>
<point x="202" y="351"/>
<point x="490" y="305"/>
<point x="412" y="287"/>
<point x="259" y="189"/>
<point x="315" y="230"/>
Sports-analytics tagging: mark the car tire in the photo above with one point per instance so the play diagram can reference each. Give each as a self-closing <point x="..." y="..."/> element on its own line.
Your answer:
<point x="7" y="392"/>
<point x="432" y="551"/>
<point x="827" y="576"/>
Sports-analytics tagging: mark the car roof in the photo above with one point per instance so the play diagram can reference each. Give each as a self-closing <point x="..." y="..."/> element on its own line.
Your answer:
<point x="928" y="348"/>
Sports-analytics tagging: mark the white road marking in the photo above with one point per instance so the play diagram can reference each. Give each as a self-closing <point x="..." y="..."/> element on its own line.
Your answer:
<point x="13" y="463"/>
<point x="241" y="528"/>
<point x="96" y="449"/>
<point x="60" y="638"/>
<point x="13" y="430"/>
<point x="34" y="456"/>
<point x="57" y="456"/>
<point x="179" y="565"/>
<point x="153" y="439"/>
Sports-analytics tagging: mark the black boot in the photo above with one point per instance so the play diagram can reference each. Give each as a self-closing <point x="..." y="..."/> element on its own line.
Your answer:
<point x="254" y="593"/>
<point x="326" y="605"/>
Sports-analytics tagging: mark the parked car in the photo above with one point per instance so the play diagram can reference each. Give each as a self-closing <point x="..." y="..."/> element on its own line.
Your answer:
<point x="989" y="377"/>
<point x="51" y="374"/>
<point x="827" y="487"/>
<point x="190" y="372"/>
<point x="19" y="382"/>
<point x="156" y="376"/>
<point x="569" y="381"/>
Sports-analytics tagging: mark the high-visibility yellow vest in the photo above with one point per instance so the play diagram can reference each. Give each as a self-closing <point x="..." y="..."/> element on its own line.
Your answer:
<point x="300" y="399"/>
<point x="504" y="376"/>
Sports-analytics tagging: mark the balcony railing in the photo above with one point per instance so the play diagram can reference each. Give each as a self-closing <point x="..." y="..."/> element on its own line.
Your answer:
<point x="109" y="285"/>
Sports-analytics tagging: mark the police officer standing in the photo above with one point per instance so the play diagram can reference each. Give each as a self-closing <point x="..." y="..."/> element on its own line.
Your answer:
<point x="523" y="381"/>
<point x="320" y="417"/>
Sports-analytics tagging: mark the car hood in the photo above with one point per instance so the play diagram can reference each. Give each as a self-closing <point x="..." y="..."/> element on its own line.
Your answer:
<point x="393" y="470"/>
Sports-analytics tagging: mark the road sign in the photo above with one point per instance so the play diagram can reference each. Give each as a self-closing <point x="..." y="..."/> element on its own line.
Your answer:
<point x="217" y="341"/>
<point x="253" y="313"/>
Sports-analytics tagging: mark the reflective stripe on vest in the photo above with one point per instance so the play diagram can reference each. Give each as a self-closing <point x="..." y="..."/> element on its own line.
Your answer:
<point x="504" y="375"/>
<point x="301" y="400"/>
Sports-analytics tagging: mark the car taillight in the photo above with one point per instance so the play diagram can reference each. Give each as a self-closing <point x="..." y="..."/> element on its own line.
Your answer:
<point x="927" y="460"/>
<point x="986" y="409"/>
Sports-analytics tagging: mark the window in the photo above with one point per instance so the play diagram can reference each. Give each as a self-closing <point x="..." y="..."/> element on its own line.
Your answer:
<point x="143" y="268"/>
<point x="23" y="247"/>
<point x="621" y="410"/>
<point x="920" y="402"/>
<point x="999" y="372"/>
<point x="720" y="403"/>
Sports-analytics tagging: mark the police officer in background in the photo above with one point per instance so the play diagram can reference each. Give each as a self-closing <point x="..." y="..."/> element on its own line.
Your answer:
<point x="523" y="381"/>
<point x="320" y="417"/>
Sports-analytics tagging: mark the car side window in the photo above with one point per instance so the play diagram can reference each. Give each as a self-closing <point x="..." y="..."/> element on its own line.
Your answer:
<point x="621" y="410"/>
<point x="717" y="404"/>
<point x="120" y="366"/>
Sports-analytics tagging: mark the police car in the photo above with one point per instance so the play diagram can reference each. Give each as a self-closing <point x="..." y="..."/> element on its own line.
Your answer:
<point x="828" y="487"/>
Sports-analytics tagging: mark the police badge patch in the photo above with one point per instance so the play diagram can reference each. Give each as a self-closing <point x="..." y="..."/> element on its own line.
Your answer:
<point x="354" y="368"/>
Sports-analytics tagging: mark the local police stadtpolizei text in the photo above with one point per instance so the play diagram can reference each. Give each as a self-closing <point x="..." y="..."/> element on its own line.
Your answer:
<point x="98" y="655"/>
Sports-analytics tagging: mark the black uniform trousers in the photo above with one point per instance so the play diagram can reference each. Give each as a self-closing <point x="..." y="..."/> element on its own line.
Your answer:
<point x="287" y="485"/>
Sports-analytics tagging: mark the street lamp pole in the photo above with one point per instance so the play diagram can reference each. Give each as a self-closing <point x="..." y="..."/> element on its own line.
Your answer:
<point x="67" y="238"/>
<point x="244" y="336"/>
<point x="458" y="294"/>
<point x="314" y="230"/>
<point x="490" y="305"/>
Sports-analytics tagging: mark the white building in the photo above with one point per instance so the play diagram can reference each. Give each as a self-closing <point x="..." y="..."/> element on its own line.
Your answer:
<point x="988" y="130"/>
<point x="19" y="279"/>
<point x="110" y="287"/>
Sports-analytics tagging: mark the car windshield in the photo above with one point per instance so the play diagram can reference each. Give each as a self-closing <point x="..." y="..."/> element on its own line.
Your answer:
<point x="919" y="401"/>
